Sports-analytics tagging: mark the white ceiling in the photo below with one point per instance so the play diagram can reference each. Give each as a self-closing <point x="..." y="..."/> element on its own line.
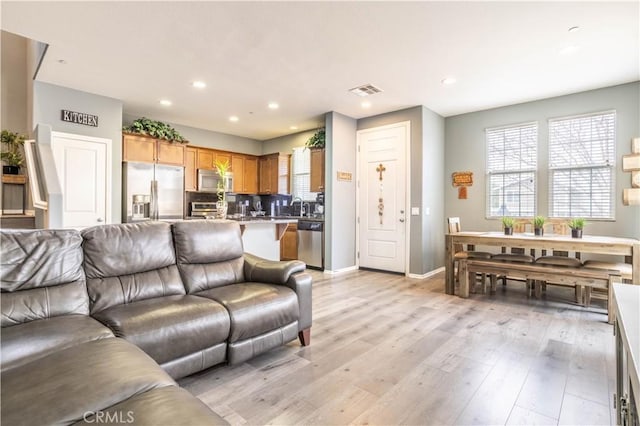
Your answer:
<point x="306" y="55"/>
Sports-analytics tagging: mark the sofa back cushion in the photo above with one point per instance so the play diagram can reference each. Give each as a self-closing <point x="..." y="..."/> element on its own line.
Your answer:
<point x="41" y="275"/>
<point x="209" y="253"/>
<point x="129" y="262"/>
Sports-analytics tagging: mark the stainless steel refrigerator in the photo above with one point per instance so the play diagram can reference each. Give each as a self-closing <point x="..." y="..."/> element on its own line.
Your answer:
<point x="152" y="192"/>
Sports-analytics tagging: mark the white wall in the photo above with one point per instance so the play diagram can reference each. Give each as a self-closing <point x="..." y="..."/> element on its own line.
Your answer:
<point x="465" y="151"/>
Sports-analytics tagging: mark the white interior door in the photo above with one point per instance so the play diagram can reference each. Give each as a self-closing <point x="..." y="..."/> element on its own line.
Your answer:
<point x="382" y="197"/>
<point x="84" y="172"/>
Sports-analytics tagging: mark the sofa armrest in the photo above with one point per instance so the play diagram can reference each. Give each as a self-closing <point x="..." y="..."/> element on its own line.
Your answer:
<point x="288" y="273"/>
<point x="269" y="271"/>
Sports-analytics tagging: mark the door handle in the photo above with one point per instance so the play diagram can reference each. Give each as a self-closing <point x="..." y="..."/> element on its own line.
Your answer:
<point x="402" y="220"/>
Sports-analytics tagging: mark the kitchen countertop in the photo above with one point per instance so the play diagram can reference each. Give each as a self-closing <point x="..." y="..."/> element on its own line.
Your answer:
<point x="278" y="219"/>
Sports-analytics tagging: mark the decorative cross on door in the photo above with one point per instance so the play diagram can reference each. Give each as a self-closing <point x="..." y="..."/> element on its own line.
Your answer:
<point x="380" y="169"/>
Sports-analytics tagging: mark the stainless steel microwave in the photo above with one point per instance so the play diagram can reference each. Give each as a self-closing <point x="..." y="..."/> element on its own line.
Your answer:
<point x="208" y="181"/>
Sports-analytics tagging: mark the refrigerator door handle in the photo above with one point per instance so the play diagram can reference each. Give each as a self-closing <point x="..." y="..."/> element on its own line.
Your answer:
<point x="153" y="213"/>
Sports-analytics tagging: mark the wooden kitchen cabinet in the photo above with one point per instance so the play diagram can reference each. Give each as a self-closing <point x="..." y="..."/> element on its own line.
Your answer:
<point x="274" y="174"/>
<point x="190" y="169"/>
<point x="251" y="174"/>
<point x="206" y="158"/>
<point x="149" y="150"/>
<point x="223" y="156"/>
<point x="317" y="170"/>
<point x="289" y="243"/>
<point x="237" y="168"/>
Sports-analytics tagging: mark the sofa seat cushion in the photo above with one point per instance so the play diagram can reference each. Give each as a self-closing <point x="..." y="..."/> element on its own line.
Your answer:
<point x="570" y="262"/>
<point x="23" y="343"/>
<point x="62" y="387"/>
<point x="169" y="327"/>
<point x="161" y="406"/>
<point x="512" y="257"/>
<point x="255" y="308"/>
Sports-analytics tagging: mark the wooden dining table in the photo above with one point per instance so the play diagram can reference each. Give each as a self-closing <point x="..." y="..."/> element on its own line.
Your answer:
<point x="627" y="247"/>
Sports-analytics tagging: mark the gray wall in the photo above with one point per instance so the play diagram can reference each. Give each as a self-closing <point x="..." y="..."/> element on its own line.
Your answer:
<point x="465" y="150"/>
<point x="425" y="188"/>
<point x="340" y="196"/>
<point x="287" y="143"/>
<point x="433" y="187"/>
<point x="49" y="99"/>
<point x="210" y="139"/>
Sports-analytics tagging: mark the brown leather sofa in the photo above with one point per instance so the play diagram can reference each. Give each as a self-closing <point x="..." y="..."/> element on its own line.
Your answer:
<point x="97" y="325"/>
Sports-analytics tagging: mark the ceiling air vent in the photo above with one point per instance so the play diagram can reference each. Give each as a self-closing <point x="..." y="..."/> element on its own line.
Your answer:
<point x="365" y="90"/>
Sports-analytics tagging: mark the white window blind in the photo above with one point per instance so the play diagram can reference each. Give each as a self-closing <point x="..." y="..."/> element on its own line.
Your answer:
<point x="582" y="165"/>
<point x="301" y="180"/>
<point x="511" y="170"/>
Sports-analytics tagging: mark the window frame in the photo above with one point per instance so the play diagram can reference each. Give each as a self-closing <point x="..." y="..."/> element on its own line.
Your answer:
<point x="488" y="173"/>
<point x="611" y="166"/>
<point x="307" y="173"/>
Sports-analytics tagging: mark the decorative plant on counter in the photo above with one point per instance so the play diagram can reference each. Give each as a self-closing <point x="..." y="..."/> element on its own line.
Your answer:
<point x="507" y="224"/>
<point x="222" y="168"/>
<point x="317" y="140"/>
<point x="11" y="152"/>
<point x="538" y="225"/>
<point x="156" y="129"/>
<point x="576" y="224"/>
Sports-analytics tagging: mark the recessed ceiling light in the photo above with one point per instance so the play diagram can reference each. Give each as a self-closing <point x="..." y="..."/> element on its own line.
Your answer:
<point x="165" y="102"/>
<point x="574" y="29"/>
<point x="365" y="104"/>
<point x="234" y="118"/>
<point x="199" y="84"/>
<point x="567" y="50"/>
<point x="448" y="80"/>
<point x="273" y="105"/>
<point x="294" y="127"/>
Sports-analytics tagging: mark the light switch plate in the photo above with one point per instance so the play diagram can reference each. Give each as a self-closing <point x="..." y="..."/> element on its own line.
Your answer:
<point x="415" y="211"/>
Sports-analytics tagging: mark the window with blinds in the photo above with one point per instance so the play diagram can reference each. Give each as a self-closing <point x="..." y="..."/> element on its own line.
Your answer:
<point x="582" y="166"/>
<point x="301" y="176"/>
<point x="511" y="170"/>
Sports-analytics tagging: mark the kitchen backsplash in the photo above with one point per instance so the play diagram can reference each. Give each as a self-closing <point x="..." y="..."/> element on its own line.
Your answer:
<point x="282" y="204"/>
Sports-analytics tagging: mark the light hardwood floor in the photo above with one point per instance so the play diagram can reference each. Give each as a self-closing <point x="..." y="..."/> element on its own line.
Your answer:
<point x="386" y="350"/>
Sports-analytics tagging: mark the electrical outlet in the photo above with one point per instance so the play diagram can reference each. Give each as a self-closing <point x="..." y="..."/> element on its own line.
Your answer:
<point x="427" y="211"/>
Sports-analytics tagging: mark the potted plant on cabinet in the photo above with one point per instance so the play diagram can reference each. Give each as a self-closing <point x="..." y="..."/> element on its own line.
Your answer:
<point x="576" y="225"/>
<point x="222" y="168"/>
<point x="538" y="225"/>
<point x="11" y="153"/>
<point x="507" y="224"/>
<point x="155" y="129"/>
<point x="317" y="141"/>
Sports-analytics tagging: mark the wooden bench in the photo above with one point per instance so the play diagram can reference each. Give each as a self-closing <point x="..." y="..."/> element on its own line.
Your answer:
<point x="587" y="277"/>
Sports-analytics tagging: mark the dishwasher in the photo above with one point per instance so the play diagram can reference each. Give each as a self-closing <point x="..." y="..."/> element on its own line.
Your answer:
<point x="311" y="243"/>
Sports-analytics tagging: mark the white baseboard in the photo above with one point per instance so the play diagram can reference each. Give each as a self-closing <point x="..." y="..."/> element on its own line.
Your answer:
<point x="342" y="270"/>
<point x="427" y="275"/>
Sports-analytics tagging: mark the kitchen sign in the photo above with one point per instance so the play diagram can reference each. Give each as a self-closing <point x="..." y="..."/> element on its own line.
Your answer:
<point x="79" y="118"/>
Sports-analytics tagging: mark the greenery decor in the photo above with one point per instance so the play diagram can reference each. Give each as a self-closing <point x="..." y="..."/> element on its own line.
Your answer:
<point x="317" y="140"/>
<point x="222" y="168"/>
<point x="507" y="224"/>
<point x="538" y="223"/>
<point x="577" y="223"/>
<point x="155" y="129"/>
<point x="11" y="148"/>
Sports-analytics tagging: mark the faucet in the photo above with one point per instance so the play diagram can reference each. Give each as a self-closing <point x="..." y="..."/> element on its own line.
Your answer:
<point x="308" y="210"/>
<point x="299" y="199"/>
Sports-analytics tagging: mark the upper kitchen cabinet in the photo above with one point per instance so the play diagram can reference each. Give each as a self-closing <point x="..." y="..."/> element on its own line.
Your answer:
<point x="190" y="169"/>
<point x="274" y="174"/>
<point x="205" y="158"/>
<point x="245" y="173"/>
<point x="317" y="170"/>
<point x="149" y="150"/>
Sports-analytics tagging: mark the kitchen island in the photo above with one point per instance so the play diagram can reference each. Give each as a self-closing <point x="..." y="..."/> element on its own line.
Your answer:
<point x="261" y="236"/>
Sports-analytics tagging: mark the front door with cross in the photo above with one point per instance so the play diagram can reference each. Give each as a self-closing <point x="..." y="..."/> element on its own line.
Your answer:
<point x="382" y="197"/>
